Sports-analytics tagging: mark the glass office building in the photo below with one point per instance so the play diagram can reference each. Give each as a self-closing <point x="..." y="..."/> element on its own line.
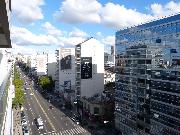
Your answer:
<point x="148" y="78"/>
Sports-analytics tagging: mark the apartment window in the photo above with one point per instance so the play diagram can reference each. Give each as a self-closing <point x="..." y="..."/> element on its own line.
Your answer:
<point x="96" y="110"/>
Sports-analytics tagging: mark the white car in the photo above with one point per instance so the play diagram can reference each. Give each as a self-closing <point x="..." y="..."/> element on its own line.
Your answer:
<point x="31" y="94"/>
<point x="39" y="123"/>
<point x="25" y="130"/>
<point x="24" y="122"/>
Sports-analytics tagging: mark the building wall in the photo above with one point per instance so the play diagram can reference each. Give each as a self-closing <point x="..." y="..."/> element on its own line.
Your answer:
<point x="51" y="66"/>
<point x="5" y="107"/>
<point x="67" y="74"/>
<point x="147" y="82"/>
<point x="108" y="76"/>
<point x="93" y="85"/>
<point x="41" y="64"/>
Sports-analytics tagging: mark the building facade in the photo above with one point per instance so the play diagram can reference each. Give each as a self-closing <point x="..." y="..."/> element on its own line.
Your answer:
<point x="66" y="73"/>
<point x="6" y="92"/>
<point x="5" y="69"/>
<point x="51" y="65"/>
<point x="148" y="78"/>
<point x="89" y="70"/>
<point x="5" y="8"/>
<point x="41" y="64"/>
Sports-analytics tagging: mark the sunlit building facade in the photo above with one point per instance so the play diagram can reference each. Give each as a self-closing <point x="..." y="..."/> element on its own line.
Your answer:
<point x="148" y="78"/>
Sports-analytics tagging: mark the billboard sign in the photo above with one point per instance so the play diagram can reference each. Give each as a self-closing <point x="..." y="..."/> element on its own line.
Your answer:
<point x="67" y="85"/>
<point x="66" y="62"/>
<point x="86" y="67"/>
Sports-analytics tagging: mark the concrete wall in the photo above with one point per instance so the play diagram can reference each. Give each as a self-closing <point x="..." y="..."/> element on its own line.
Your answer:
<point x="51" y="66"/>
<point x="41" y="64"/>
<point x="67" y="74"/>
<point x="94" y="85"/>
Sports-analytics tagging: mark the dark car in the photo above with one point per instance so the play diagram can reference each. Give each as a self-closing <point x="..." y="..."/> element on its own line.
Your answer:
<point x="23" y="114"/>
<point x="51" y="107"/>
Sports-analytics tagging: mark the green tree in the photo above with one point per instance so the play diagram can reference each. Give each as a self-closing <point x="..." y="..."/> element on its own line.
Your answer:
<point x="18" y="100"/>
<point x="45" y="82"/>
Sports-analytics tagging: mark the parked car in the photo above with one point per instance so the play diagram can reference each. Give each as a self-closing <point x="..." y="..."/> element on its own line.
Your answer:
<point x="51" y="107"/>
<point x="75" y="120"/>
<point x="24" y="122"/>
<point x="23" y="115"/>
<point x="25" y="130"/>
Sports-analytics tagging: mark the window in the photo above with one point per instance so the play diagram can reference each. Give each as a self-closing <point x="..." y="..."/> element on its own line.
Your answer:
<point x="96" y="110"/>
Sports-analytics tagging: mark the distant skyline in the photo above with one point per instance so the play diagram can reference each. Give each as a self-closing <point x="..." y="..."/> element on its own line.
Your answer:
<point x="45" y="25"/>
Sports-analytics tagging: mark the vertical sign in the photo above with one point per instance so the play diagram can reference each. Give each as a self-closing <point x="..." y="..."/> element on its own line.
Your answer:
<point x="86" y="67"/>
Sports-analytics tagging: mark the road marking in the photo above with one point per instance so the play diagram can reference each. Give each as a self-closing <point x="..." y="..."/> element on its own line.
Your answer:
<point x="44" y="113"/>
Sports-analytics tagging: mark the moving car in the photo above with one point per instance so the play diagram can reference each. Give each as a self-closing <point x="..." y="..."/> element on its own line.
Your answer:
<point x="39" y="123"/>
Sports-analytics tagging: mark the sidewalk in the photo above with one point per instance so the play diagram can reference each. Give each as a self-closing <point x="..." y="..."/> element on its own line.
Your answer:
<point x="17" y="128"/>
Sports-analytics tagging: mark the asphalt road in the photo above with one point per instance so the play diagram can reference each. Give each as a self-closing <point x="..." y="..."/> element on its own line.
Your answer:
<point x="55" y="121"/>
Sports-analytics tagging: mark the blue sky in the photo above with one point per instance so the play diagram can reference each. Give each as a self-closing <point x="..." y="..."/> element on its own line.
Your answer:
<point x="45" y="25"/>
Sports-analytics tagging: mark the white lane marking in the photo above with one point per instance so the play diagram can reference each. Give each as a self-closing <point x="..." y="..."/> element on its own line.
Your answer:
<point x="79" y="131"/>
<point x="74" y="130"/>
<point x="45" y="114"/>
<point x="82" y="129"/>
<point x="71" y="132"/>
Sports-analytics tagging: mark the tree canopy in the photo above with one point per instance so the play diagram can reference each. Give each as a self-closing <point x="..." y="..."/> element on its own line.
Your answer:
<point x="18" y="100"/>
<point x="45" y="82"/>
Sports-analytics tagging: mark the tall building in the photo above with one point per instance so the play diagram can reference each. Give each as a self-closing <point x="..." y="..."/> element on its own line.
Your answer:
<point x="148" y="78"/>
<point x="41" y="64"/>
<point x="89" y="70"/>
<point x="65" y="81"/>
<point x="5" y="69"/>
<point x="6" y="95"/>
<point x="5" y="8"/>
<point x="51" y="65"/>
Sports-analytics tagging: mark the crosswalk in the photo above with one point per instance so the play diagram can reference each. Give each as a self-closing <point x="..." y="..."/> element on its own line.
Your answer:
<point x="73" y="131"/>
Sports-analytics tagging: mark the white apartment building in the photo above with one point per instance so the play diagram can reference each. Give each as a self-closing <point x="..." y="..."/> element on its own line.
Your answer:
<point x="41" y="64"/>
<point x="51" y="65"/>
<point x="6" y="65"/>
<point x="65" y="79"/>
<point x="89" y="68"/>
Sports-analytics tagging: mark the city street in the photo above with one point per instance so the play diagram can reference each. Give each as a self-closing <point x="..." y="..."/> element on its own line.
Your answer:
<point x="55" y="121"/>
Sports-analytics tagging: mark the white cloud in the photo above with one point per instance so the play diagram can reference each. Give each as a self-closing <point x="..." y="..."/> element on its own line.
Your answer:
<point x="118" y="16"/>
<point x="71" y="41"/>
<point x="22" y="49"/>
<point x="109" y="40"/>
<point x="99" y="34"/>
<point x="22" y="36"/>
<point x="170" y="8"/>
<point x="79" y="11"/>
<point x="51" y="30"/>
<point x="27" y="11"/>
<point x="77" y="33"/>
<point x="111" y="15"/>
